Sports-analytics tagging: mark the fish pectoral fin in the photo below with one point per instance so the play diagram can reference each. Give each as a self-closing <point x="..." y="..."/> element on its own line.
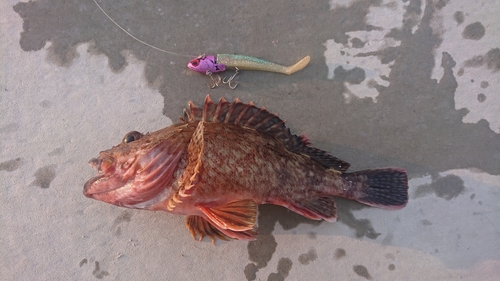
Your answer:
<point x="315" y="208"/>
<point x="238" y="215"/>
<point x="200" y="227"/>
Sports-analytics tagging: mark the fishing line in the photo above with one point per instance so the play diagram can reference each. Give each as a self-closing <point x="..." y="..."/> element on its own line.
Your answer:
<point x="137" y="39"/>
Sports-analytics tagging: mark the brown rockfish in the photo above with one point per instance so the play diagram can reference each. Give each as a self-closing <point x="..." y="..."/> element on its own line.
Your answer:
<point x="225" y="159"/>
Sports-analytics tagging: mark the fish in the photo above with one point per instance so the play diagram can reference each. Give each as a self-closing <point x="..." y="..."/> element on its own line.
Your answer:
<point x="223" y="160"/>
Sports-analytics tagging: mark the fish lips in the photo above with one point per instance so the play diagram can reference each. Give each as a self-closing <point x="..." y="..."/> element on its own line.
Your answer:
<point x="105" y="181"/>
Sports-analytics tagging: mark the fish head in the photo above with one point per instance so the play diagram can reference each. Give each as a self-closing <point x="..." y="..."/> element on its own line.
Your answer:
<point x="205" y="64"/>
<point x="133" y="173"/>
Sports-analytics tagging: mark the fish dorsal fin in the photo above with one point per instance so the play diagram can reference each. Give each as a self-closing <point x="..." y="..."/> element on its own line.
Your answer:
<point x="250" y="116"/>
<point x="238" y="215"/>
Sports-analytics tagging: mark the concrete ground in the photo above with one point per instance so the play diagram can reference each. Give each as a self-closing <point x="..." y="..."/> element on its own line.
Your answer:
<point x="407" y="83"/>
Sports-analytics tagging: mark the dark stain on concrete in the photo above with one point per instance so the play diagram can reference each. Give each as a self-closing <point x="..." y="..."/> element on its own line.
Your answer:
<point x="56" y="152"/>
<point x="475" y="61"/>
<point x="284" y="267"/>
<point x="484" y="84"/>
<point x="447" y="187"/>
<point x="458" y="16"/>
<point x="474" y="31"/>
<point x="11" y="165"/>
<point x="98" y="272"/>
<point x="10" y="128"/>
<point x="351" y="76"/>
<point x="308" y="257"/>
<point x="491" y="60"/>
<point x="44" y="176"/>
<point x="312" y="235"/>
<point x="339" y="253"/>
<point x="391" y="267"/>
<point x="481" y="97"/>
<point x="45" y="104"/>
<point x="250" y="271"/>
<point x="387" y="239"/>
<point x="425" y="222"/>
<point x="362" y="227"/>
<point x="262" y="249"/>
<point x="357" y="43"/>
<point x="125" y="216"/>
<point x="362" y="271"/>
<point x="83" y="262"/>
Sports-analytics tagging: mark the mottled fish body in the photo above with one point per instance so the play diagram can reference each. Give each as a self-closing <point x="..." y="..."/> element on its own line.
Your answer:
<point x="225" y="159"/>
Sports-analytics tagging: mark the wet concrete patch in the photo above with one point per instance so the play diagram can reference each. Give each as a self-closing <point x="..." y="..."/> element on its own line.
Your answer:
<point x="339" y="253"/>
<point x="474" y="31"/>
<point x="262" y="249"/>
<point x="98" y="272"/>
<point x="447" y="187"/>
<point x="11" y="165"/>
<point x="458" y="16"/>
<point x="83" y="262"/>
<point x="362" y="271"/>
<point x="44" y="176"/>
<point x="10" y="128"/>
<point x="308" y="257"/>
<point x="491" y="60"/>
<point x="56" y="152"/>
<point x="284" y="267"/>
<point x="362" y="227"/>
<point x="125" y="216"/>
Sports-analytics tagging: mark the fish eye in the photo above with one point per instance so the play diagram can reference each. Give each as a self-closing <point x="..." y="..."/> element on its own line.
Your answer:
<point x="195" y="62"/>
<point x="132" y="136"/>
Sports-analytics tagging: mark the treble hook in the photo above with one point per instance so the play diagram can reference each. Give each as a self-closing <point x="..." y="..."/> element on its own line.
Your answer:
<point x="216" y="83"/>
<point x="228" y="81"/>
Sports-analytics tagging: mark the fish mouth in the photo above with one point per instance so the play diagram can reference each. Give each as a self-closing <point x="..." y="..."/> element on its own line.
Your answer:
<point x="105" y="167"/>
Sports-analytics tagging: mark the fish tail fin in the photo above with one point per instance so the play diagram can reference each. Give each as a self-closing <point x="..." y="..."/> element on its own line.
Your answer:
<point x="298" y="66"/>
<point x="383" y="188"/>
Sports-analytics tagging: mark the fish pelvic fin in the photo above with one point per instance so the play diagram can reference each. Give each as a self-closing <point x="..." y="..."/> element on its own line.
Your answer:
<point x="237" y="216"/>
<point x="318" y="208"/>
<point x="298" y="66"/>
<point x="199" y="227"/>
<point x="383" y="188"/>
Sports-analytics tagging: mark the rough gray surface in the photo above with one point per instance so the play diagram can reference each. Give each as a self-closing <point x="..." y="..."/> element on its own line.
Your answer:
<point x="391" y="83"/>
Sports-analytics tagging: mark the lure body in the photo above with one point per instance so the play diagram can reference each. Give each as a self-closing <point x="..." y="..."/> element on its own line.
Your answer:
<point x="221" y="62"/>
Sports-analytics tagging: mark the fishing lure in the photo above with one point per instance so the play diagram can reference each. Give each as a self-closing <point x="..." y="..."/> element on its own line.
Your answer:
<point x="222" y="62"/>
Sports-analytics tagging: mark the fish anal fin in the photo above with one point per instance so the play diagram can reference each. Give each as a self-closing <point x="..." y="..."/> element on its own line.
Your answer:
<point x="315" y="208"/>
<point x="237" y="216"/>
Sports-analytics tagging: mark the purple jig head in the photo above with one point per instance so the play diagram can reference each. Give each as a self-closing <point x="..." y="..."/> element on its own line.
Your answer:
<point x="206" y="64"/>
